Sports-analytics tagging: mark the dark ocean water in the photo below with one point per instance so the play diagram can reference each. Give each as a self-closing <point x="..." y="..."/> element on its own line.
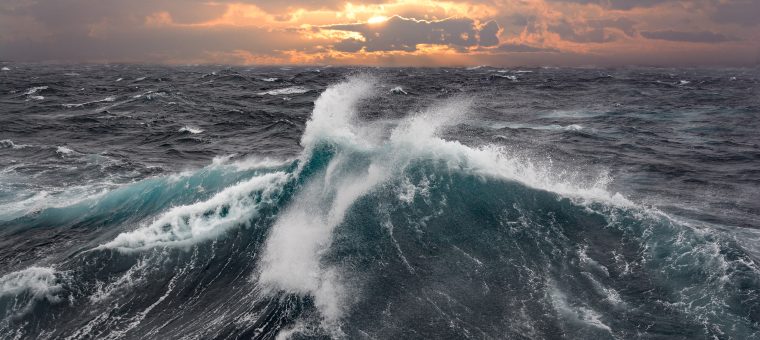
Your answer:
<point x="207" y="202"/>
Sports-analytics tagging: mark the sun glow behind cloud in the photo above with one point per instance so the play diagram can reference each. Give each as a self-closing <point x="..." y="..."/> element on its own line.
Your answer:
<point x="378" y="19"/>
<point x="395" y="32"/>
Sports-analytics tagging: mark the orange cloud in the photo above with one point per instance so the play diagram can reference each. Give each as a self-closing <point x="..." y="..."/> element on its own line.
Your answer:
<point x="392" y="32"/>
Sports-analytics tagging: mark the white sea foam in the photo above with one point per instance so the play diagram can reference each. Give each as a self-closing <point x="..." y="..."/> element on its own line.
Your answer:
<point x="35" y="89"/>
<point x="270" y="79"/>
<point x="334" y="112"/>
<point x="62" y="150"/>
<point x="142" y="94"/>
<point x="7" y="143"/>
<point x="189" y="224"/>
<point x="48" y="198"/>
<point x="571" y="127"/>
<point x="40" y="283"/>
<point x="398" y="90"/>
<point x="5" y="68"/>
<point x="286" y="90"/>
<point x="292" y="254"/>
<point x="129" y="279"/>
<point x="37" y="97"/>
<point x="104" y="100"/>
<point x="251" y="162"/>
<point x="190" y="129"/>
<point x="575" y="313"/>
<point x="303" y="232"/>
<point x="508" y="76"/>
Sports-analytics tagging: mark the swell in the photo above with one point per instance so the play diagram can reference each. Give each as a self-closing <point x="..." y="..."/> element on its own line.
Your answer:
<point x="369" y="232"/>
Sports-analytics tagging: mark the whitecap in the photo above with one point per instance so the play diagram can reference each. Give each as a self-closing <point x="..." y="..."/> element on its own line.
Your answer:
<point x="104" y="100"/>
<point x="287" y="90"/>
<point x="189" y="224"/>
<point x="35" y="89"/>
<point x="251" y="162"/>
<point x="190" y="129"/>
<point x="39" y="199"/>
<point x="5" y="68"/>
<point x="63" y="150"/>
<point x="7" y="143"/>
<point x="270" y="79"/>
<point x="571" y="127"/>
<point x="143" y="94"/>
<point x="398" y="90"/>
<point x="509" y="76"/>
<point x="40" y="283"/>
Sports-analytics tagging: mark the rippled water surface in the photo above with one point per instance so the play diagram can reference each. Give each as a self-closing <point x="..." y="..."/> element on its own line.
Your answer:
<point x="327" y="202"/>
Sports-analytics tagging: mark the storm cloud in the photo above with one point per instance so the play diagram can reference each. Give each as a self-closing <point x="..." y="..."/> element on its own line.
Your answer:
<point x="742" y="12"/>
<point x="404" y="34"/>
<point x="594" y="31"/>
<point x="383" y="32"/>
<point x="618" y="4"/>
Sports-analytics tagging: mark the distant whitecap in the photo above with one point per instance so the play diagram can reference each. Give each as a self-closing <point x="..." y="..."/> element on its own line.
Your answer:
<point x="287" y="90"/>
<point x="398" y="90"/>
<point x="190" y="129"/>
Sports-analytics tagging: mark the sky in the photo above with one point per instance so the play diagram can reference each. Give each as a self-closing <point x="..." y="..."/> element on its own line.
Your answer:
<point x="384" y="32"/>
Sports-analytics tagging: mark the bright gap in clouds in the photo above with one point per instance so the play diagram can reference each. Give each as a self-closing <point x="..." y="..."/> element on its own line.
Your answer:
<point x="377" y="19"/>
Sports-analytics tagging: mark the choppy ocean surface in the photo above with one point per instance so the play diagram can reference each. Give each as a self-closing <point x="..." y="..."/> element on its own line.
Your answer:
<point x="206" y="202"/>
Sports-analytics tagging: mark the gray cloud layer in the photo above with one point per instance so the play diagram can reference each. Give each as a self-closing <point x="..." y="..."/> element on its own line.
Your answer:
<point x="742" y="12"/>
<point x="694" y="37"/>
<point x="404" y="34"/>
<point x="522" y="48"/>
<point x="594" y="31"/>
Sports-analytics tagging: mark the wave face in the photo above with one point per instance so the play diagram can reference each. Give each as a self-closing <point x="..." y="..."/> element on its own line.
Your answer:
<point x="376" y="229"/>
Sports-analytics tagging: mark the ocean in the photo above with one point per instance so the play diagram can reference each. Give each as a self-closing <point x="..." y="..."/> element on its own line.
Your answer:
<point x="218" y="202"/>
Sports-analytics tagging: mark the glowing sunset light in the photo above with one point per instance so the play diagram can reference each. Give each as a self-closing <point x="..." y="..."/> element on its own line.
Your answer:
<point x="377" y="19"/>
